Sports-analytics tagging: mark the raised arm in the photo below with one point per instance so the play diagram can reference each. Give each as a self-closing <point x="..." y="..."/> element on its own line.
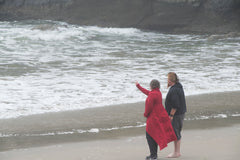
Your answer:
<point x="145" y="91"/>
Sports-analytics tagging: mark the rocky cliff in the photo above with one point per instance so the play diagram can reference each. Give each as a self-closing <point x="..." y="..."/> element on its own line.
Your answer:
<point x="181" y="16"/>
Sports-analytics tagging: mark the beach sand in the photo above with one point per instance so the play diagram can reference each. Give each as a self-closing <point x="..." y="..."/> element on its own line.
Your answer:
<point x="215" y="138"/>
<point x="205" y="144"/>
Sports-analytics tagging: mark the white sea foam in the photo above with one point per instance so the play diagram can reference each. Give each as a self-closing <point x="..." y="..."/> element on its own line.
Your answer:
<point x="53" y="66"/>
<point x="73" y="131"/>
<point x="212" y="116"/>
<point x="93" y="130"/>
<point x="98" y="130"/>
<point x="236" y="115"/>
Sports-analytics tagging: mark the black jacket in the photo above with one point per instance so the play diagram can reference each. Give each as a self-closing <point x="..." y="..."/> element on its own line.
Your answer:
<point x="176" y="99"/>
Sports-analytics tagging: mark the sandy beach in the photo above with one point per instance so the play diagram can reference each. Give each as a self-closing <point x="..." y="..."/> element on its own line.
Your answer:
<point x="211" y="132"/>
<point x="206" y="144"/>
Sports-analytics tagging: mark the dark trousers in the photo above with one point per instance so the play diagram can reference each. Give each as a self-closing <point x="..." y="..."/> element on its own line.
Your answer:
<point x="153" y="146"/>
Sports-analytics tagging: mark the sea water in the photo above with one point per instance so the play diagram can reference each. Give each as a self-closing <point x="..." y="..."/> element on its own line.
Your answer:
<point x="48" y="66"/>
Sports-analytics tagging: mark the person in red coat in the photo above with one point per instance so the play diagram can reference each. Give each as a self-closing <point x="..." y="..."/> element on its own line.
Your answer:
<point x="159" y="131"/>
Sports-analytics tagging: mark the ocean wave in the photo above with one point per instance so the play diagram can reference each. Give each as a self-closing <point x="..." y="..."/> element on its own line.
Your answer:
<point x="48" y="66"/>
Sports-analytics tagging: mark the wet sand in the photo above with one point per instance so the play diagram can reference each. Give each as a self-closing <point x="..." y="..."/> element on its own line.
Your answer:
<point x="205" y="144"/>
<point x="207" y="135"/>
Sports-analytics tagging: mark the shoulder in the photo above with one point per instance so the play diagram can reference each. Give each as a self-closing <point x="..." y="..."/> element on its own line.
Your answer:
<point x="155" y="94"/>
<point x="173" y="90"/>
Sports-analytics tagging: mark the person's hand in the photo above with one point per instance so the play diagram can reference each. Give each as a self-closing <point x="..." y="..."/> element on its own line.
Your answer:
<point x="171" y="118"/>
<point x="136" y="83"/>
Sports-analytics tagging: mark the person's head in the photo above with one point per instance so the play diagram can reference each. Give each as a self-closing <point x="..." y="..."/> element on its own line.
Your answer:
<point x="172" y="79"/>
<point x="154" y="84"/>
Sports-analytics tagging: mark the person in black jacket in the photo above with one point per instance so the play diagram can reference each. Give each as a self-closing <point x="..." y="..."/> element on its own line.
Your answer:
<point x="175" y="104"/>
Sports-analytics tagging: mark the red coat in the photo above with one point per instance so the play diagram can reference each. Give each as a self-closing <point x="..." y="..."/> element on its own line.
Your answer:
<point x="159" y="125"/>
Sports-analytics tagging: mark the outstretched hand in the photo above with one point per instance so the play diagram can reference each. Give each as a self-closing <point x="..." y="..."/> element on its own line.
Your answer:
<point x="136" y="83"/>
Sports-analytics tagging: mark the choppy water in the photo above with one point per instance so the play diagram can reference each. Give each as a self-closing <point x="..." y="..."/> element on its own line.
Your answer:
<point x="50" y="66"/>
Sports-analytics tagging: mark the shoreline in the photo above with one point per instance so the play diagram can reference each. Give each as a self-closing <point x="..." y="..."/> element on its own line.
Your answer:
<point x="189" y="98"/>
<point x="206" y="144"/>
<point x="43" y="129"/>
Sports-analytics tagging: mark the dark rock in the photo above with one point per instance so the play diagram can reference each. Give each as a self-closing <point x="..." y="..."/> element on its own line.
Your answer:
<point x="181" y="16"/>
<point x="2" y="2"/>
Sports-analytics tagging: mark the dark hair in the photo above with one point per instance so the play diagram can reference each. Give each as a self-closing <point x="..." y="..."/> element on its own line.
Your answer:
<point x="172" y="76"/>
<point x="154" y="84"/>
